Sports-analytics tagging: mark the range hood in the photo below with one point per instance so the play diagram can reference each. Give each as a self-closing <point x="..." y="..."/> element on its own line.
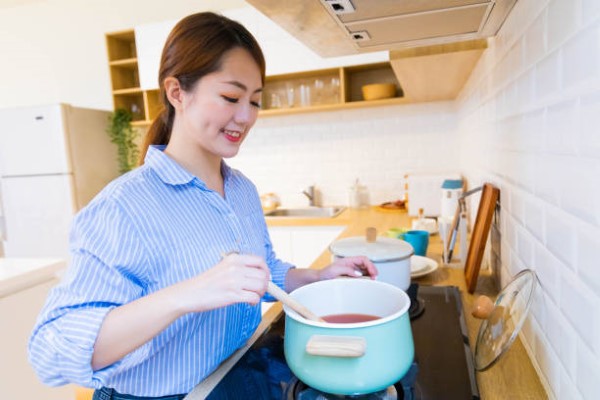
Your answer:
<point x="344" y="27"/>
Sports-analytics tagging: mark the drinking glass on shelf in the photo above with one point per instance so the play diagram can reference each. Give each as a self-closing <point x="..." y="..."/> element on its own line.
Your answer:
<point x="291" y="94"/>
<point x="275" y="100"/>
<point x="333" y="90"/>
<point x="319" y="86"/>
<point x="304" y="95"/>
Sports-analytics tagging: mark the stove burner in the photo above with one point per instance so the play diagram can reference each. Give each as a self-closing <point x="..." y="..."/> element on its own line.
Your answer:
<point x="417" y="305"/>
<point x="298" y="390"/>
<point x="405" y="389"/>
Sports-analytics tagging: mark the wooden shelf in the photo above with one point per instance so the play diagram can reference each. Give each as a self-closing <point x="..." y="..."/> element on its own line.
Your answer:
<point x="134" y="90"/>
<point x="326" y="90"/>
<point x="357" y="76"/>
<point x="132" y="101"/>
<point x="334" y="107"/>
<point x="123" y="64"/>
<point x="121" y="45"/>
<point x="152" y="104"/>
<point x="303" y="92"/>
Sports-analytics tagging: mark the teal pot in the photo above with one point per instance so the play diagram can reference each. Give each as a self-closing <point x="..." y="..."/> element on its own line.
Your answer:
<point x="350" y="358"/>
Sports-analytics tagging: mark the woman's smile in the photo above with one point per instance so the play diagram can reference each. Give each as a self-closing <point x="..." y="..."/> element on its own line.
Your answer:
<point x="232" y="135"/>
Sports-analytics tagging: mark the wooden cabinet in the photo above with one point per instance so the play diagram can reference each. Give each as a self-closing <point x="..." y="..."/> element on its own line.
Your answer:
<point x="298" y="79"/>
<point x="18" y="313"/>
<point x="125" y="79"/>
<point x="149" y="41"/>
<point x="327" y="89"/>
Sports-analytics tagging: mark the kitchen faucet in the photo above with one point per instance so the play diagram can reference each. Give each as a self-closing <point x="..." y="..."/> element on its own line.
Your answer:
<point x="310" y="193"/>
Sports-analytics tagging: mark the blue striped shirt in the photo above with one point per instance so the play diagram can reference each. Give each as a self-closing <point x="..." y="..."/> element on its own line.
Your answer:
<point x="150" y="228"/>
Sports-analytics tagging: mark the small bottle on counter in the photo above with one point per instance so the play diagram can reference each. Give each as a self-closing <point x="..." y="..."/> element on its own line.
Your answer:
<point x="358" y="196"/>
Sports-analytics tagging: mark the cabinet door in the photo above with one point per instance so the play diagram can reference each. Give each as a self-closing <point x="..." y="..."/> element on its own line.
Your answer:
<point x="150" y="40"/>
<point x="38" y="212"/>
<point x="301" y="245"/>
<point x="18" y="313"/>
<point x="33" y="141"/>
<point x="281" y="239"/>
<point x="309" y="242"/>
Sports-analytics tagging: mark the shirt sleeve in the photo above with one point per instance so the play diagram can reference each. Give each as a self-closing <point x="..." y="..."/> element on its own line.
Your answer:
<point x="109" y="268"/>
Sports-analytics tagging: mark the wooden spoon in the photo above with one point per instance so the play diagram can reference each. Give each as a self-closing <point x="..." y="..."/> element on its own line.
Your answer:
<point x="289" y="301"/>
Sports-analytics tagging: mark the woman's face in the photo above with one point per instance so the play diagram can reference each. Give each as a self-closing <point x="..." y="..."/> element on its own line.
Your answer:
<point x="219" y="111"/>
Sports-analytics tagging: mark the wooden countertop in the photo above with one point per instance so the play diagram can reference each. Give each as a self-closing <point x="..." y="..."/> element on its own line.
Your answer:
<point x="512" y="377"/>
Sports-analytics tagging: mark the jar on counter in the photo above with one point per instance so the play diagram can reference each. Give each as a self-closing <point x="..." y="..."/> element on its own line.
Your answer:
<point x="358" y="196"/>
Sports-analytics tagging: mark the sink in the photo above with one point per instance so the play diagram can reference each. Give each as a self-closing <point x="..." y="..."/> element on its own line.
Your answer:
<point x="306" y="212"/>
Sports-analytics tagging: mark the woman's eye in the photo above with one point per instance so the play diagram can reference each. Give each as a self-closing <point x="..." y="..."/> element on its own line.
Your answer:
<point x="230" y="99"/>
<point x="236" y="100"/>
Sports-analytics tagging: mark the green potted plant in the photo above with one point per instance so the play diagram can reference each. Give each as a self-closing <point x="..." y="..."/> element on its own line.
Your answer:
<point x="124" y="136"/>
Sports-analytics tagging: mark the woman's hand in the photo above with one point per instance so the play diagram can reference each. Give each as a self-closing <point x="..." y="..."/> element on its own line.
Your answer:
<point x="349" y="266"/>
<point x="237" y="278"/>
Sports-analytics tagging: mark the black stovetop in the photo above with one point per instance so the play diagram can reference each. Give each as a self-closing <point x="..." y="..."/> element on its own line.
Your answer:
<point x="443" y="359"/>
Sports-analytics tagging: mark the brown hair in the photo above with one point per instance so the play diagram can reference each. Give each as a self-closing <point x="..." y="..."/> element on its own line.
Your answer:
<point x="195" y="48"/>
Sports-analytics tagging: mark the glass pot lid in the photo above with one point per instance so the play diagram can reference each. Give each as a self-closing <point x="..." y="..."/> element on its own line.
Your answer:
<point x="500" y="329"/>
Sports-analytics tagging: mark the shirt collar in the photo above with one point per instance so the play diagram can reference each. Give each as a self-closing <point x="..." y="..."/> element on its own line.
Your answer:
<point x="172" y="173"/>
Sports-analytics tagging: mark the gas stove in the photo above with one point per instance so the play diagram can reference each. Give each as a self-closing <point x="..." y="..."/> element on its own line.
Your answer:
<point x="442" y="368"/>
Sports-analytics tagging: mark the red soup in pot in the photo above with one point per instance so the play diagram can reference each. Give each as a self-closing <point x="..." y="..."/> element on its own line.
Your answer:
<point x="349" y="318"/>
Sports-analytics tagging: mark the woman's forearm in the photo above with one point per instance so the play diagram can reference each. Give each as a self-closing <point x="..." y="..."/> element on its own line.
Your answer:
<point x="236" y="279"/>
<point x="129" y="326"/>
<point x="348" y="266"/>
<point x="297" y="277"/>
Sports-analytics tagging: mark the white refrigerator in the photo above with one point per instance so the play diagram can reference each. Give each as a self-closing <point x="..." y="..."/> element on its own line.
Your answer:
<point x="53" y="160"/>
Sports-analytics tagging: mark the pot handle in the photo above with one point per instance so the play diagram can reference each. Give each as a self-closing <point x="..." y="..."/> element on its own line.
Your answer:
<point x="336" y="346"/>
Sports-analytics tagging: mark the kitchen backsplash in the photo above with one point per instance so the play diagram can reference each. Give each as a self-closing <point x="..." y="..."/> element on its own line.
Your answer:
<point x="331" y="150"/>
<point x="529" y="121"/>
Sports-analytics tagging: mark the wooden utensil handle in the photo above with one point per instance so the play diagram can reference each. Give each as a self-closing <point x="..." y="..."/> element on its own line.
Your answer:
<point x="336" y="346"/>
<point x="289" y="301"/>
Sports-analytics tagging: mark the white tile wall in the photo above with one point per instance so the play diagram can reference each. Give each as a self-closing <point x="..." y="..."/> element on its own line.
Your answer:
<point x="528" y="121"/>
<point x="541" y="143"/>
<point x="588" y="366"/>
<point x="588" y="246"/>
<point x="376" y="145"/>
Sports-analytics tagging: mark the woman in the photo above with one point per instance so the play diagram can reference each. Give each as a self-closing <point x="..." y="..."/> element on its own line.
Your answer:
<point x="170" y="261"/>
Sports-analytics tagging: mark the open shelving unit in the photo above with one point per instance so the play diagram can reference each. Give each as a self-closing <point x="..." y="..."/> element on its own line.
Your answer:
<point x="300" y="92"/>
<point x="144" y="105"/>
<point x="326" y="90"/>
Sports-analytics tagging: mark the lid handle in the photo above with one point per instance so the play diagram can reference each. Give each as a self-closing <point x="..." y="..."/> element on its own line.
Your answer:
<point x="371" y="234"/>
<point x="483" y="307"/>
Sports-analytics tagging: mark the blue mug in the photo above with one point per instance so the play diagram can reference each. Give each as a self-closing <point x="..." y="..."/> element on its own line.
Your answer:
<point x="419" y="240"/>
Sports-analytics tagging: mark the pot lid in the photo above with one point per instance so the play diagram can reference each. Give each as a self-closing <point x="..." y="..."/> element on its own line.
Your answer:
<point x="380" y="250"/>
<point x="500" y="329"/>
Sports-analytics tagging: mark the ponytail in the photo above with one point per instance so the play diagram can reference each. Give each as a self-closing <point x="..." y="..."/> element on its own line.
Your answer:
<point x="160" y="131"/>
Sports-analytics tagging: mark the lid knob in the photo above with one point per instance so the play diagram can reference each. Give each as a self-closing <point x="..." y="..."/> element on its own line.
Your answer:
<point x="483" y="307"/>
<point x="371" y="234"/>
